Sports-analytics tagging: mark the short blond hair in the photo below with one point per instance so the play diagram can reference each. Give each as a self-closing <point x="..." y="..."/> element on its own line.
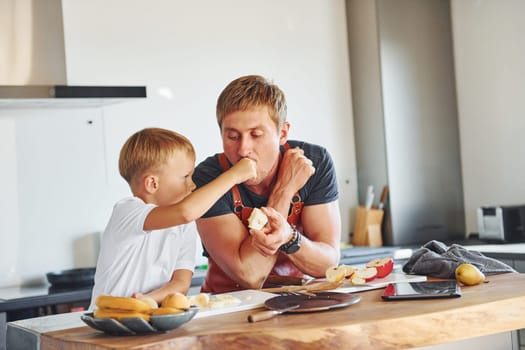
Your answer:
<point x="148" y="150"/>
<point x="252" y="91"/>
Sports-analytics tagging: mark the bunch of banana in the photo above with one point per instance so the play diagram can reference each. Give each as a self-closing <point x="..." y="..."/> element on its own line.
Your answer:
<point x="109" y="306"/>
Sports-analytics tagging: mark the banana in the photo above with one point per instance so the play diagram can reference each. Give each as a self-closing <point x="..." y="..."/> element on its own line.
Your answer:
<point x="121" y="303"/>
<point x="119" y="314"/>
<point x="165" y="311"/>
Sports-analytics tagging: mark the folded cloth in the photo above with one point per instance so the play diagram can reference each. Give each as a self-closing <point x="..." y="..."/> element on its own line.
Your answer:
<point x="436" y="259"/>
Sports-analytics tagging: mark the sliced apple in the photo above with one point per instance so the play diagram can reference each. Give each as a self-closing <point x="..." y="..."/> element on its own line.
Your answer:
<point x="384" y="266"/>
<point x="349" y="271"/>
<point x="335" y="273"/>
<point x="363" y="276"/>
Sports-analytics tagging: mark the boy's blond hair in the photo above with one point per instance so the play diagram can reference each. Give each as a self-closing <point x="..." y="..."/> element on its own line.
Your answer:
<point x="148" y="150"/>
<point x="252" y="91"/>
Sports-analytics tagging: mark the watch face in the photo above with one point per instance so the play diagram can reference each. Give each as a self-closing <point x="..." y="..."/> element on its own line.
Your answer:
<point x="293" y="248"/>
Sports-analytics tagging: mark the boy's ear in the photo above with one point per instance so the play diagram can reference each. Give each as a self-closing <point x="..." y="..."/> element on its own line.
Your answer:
<point x="151" y="183"/>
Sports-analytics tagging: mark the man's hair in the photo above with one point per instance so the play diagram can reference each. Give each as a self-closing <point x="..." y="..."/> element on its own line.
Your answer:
<point x="148" y="150"/>
<point x="252" y="91"/>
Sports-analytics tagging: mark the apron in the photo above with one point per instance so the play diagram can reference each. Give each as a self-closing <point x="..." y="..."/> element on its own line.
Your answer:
<point x="217" y="278"/>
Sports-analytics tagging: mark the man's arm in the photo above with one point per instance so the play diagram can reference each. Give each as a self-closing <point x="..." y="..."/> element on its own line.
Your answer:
<point x="228" y="241"/>
<point x="320" y="248"/>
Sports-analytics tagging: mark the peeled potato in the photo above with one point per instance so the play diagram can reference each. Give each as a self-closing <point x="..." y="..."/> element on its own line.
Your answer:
<point x="176" y="300"/>
<point x="257" y="219"/>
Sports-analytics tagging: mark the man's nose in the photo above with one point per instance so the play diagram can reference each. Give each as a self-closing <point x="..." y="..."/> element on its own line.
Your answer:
<point x="245" y="147"/>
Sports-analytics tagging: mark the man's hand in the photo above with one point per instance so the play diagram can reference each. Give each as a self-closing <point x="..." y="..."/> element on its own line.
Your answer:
<point x="295" y="169"/>
<point x="277" y="232"/>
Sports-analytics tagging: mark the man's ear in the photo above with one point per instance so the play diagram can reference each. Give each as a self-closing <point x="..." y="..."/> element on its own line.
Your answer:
<point x="151" y="183"/>
<point x="283" y="133"/>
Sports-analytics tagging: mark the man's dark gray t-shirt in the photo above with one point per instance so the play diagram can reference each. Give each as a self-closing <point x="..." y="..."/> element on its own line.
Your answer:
<point x="320" y="188"/>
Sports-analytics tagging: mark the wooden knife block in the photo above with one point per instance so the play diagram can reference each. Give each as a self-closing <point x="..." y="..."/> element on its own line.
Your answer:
<point x="367" y="228"/>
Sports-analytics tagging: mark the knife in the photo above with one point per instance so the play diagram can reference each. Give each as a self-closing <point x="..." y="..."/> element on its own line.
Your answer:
<point x="266" y="315"/>
<point x="382" y="199"/>
<point x="369" y="197"/>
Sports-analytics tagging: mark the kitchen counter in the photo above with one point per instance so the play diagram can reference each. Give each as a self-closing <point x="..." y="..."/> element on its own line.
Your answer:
<point x="492" y="308"/>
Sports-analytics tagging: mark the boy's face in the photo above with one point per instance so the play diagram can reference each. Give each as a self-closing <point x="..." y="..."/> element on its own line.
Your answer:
<point x="175" y="179"/>
<point x="252" y="133"/>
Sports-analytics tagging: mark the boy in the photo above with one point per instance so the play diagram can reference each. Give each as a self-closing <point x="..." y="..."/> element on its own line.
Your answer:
<point x="148" y="245"/>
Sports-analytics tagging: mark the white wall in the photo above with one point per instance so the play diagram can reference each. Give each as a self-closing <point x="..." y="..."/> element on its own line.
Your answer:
<point x="62" y="163"/>
<point x="489" y="50"/>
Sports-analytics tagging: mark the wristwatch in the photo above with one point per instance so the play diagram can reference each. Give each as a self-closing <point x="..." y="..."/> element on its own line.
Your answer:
<point x="294" y="243"/>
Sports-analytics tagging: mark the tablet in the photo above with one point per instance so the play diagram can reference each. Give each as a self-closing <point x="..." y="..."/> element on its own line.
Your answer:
<point x="421" y="290"/>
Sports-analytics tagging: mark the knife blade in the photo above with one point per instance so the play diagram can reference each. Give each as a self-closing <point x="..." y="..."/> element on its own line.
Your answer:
<point x="266" y="315"/>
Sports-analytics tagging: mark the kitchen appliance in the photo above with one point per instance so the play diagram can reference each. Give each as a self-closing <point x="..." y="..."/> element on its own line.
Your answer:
<point x="33" y="60"/>
<point x="502" y="223"/>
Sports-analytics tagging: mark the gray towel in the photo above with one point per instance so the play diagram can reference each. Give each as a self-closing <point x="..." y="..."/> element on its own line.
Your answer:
<point x="436" y="259"/>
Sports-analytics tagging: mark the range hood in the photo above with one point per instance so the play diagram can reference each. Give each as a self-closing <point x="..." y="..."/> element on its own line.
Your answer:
<point x="33" y="61"/>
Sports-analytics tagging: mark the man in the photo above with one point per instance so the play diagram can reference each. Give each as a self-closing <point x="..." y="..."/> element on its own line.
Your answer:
<point x="295" y="182"/>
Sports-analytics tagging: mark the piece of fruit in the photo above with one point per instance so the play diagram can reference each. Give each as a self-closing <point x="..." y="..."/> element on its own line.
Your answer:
<point x="363" y="276"/>
<point x="121" y="303"/>
<point x="349" y="271"/>
<point x="176" y="300"/>
<point x="152" y="303"/>
<point x="201" y="299"/>
<point x="384" y="266"/>
<point x="469" y="275"/>
<point x="257" y="219"/>
<point x="335" y="273"/>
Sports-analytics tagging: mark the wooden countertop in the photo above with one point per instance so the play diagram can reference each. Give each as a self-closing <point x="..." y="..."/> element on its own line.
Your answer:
<point x="489" y="308"/>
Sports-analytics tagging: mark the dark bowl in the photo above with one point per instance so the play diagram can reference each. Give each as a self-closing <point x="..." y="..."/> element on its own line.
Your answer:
<point x="72" y="277"/>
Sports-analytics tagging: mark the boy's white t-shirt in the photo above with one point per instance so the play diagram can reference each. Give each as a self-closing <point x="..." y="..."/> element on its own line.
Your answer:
<point x="133" y="260"/>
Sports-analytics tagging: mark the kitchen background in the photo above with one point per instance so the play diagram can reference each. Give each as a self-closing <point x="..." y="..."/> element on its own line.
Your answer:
<point x="59" y="164"/>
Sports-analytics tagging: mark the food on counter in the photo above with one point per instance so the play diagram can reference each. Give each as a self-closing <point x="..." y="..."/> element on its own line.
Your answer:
<point x="335" y="273"/>
<point x="117" y="308"/>
<point x="205" y="300"/>
<point x="384" y="266"/>
<point x="201" y="299"/>
<point x="176" y="300"/>
<point x="119" y="314"/>
<point x="257" y="219"/>
<point x="469" y="275"/>
<point x="363" y="276"/>
<point x="376" y="268"/>
<point x="152" y="303"/>
<point x="165" y="311"/>
<point x="121" y="303"/>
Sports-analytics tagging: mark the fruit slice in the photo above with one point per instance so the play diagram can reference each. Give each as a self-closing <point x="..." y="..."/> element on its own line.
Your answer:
<point x="363" y="276"/>
<point x="335" y="273"/>
<point x="349" y="271"/>
<point x="384" y="266"/>
<point x="257" y="219"/>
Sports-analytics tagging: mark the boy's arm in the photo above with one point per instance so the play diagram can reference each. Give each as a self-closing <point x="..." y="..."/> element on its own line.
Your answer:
<point x="180" y="283"/>
<point x="197" y="203"/>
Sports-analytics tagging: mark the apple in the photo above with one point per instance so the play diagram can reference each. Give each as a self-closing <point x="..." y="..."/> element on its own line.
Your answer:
<point x="335" y="273"/>
<point x="349" y="271"/>
<point x="363" y="276"/>
<point x="384" y="266"/>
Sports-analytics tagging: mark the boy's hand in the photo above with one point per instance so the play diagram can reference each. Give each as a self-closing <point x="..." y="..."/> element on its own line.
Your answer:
<point x="245" y="169"/>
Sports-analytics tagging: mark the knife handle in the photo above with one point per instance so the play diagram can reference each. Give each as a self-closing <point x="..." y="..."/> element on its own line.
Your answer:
<point x="263" y="315"/>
